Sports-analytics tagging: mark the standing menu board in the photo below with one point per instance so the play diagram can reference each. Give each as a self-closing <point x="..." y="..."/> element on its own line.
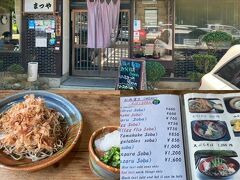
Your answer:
<point x="151" y="138"/>
<point x="132" y="75"/>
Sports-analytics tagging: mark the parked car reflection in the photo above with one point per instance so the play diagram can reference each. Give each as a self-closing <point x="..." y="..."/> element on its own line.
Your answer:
<point x="225" y="28"/>
<point x="226" y="74"/>
<point x="153" y="32"/>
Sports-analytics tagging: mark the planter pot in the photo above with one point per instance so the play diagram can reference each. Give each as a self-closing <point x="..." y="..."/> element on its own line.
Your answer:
<point x="97" y="166"/>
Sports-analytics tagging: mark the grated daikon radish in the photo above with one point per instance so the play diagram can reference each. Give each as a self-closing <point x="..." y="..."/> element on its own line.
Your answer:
<point x="108" y="141"/>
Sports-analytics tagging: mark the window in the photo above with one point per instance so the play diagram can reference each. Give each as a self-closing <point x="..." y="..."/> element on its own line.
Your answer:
<point x="10" y="25"/>
<point x="152" y="27"/>
<point x="231" y="72"/>
<point x="194" y="19"/>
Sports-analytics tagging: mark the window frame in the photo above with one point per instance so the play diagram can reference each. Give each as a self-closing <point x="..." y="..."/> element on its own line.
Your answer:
<point x="225" y="82"/>
<point x="10" y="30"/>
<point x="215" y="74"/>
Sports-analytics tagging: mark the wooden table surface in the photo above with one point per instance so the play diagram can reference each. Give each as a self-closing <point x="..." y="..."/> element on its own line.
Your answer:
<point x="98" y="108"/>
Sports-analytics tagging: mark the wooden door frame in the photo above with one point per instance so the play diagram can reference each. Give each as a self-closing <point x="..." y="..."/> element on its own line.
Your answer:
<point x="73" y="46"/>
<point x="99" y="72"/>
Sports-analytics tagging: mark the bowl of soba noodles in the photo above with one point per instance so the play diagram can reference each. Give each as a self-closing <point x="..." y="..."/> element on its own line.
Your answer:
<point x="37" y="129"/>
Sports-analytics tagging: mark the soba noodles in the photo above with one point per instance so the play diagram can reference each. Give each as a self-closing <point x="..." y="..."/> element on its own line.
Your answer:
<point x="31" y="130"/>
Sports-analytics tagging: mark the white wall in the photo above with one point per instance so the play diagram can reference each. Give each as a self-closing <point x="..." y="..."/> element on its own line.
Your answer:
<point x="66" y="37"/>
<point x="18" y="11"/>
<point x="5" y="27"/>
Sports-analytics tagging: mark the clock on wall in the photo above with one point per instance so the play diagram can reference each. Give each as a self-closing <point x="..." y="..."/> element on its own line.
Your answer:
<point x="4" y="19"/>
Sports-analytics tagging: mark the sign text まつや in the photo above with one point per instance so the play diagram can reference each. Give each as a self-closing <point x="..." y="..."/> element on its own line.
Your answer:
<point x="41" y="5"/>
<point x="34" y="6"/>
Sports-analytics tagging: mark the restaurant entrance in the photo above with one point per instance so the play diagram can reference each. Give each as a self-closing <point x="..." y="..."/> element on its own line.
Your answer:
<point x="98" y="62"/>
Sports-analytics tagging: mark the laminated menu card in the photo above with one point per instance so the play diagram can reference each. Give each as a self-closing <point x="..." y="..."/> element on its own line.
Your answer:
<point x="190" y="136"/>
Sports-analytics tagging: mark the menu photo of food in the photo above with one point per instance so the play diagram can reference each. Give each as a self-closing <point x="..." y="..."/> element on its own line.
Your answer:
<point x="204" y="105"/>
<point x="232" y="104"/>
<point x="210" y="130"/>
<point x="216" y="164"/>
<point x="236" y="127"/>
<point x="212" y="133"/>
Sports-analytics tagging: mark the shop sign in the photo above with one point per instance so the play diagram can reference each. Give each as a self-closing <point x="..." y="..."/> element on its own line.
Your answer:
<point x="137" y="25"/>
<point x="35" y="6"/>
<point x="31" y="24"/>
<point x="58" y="26"/>
<point x="40" y="41"/>
<point x="136" y="37"/>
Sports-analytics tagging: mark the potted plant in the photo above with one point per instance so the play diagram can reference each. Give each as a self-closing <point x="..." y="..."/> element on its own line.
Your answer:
<point x="1" y="68"/>
<point x="235" y="42"/>
<point x="154" y="72"/>
<point x="204" y="63"/>
<point x="15" y="70"/>
<point x="216" y="40"/>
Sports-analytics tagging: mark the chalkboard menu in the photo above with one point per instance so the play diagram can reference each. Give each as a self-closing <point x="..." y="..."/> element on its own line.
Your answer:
<point x="131" y="74"/>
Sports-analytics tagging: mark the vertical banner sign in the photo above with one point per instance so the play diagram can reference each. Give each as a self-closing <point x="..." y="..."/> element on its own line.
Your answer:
<point x="137" y="25"/>
<point x="35" y="6"/>
<point x="136" y="29"/>
<point x="58" y="26"/>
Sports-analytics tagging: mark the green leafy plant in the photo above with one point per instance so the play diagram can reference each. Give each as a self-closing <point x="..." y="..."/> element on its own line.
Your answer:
<point x="235" y="42"/>
<point x="154" y="72"/>
<point x="216" y="39"/>
<point x="204" y="63"/>
<point x="195" y="76"/>
<point x="195" y="34"/>
<point x="15" y="70"/>
<point x="1" y="66"/>
<point x="7" y="5"/>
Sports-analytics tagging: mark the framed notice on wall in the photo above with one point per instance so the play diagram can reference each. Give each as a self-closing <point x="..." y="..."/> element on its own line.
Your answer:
<point x="151" y="17"/>
<point x="43" y="6"/>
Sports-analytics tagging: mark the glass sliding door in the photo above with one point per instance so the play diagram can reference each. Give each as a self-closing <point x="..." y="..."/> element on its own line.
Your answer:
<point x="194" y="19"/>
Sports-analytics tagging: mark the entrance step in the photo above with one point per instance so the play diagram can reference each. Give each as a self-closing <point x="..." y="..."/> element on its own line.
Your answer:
<point x="89" y="83"/>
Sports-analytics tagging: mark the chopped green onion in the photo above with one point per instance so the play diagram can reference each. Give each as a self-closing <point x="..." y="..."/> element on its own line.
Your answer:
<point x="112" y="157"/>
